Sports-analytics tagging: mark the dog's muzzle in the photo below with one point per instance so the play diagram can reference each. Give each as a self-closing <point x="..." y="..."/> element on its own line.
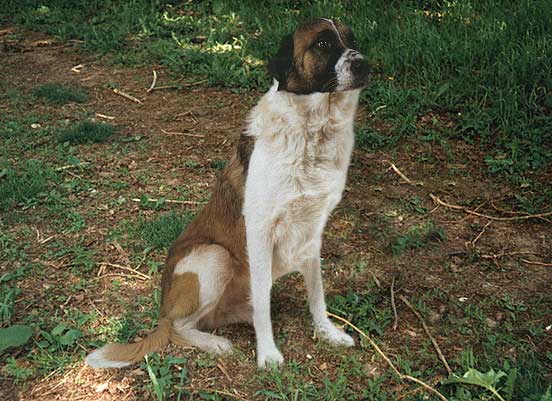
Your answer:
<point x="352" y="71"/>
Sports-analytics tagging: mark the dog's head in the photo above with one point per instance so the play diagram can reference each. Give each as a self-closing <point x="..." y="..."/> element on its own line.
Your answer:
<point x="320" y="56"/>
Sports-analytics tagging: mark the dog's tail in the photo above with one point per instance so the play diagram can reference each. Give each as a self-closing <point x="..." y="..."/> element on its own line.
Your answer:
<point x="115" y="355"/>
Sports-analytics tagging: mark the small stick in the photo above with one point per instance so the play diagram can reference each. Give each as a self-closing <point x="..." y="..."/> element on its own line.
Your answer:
<point x="187" y="113"/>
<point x="69" y="166"/>
<point x="130" y="269"/>
<point x="127" y="96"/>
<point x="182" y="133"/>
<point x="426" y="329"/>
<point x="152" y="86"/>
<point x="157" y="88"/>
<point x="396" y="321"/>
<point x="535" y="262"/>
<point x="472" y="243"/>
<point x="77" y="68"/>
<point x="516" y="213"/>
<point x="222" y="368"/>
<point x="105" y="116"/>
<point x="400" y="174"/>
<point x="380" y="352"/>
<point x="378" y="284"/>
<point x="118" y="275"/>
<point x="207" y="390"/>
<point x="436" y="200"/>
<point x="170" y="201"/>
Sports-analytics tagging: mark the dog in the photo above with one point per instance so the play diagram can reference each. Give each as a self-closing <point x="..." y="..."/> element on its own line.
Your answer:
<point x="268" y="208"/>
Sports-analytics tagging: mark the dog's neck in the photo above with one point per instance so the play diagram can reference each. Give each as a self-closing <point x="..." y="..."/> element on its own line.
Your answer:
<point x="341" y="105"/>
<point x="278" y="109"/>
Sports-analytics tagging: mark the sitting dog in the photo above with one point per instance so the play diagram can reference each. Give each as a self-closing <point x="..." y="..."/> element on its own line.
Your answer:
<point x="268" y="208"/>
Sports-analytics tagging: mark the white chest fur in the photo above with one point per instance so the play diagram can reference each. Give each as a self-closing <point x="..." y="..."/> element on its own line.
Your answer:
<point x="298" y="169"/>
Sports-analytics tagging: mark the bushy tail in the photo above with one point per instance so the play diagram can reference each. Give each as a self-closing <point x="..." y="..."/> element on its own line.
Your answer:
<point x="120" y="355"/>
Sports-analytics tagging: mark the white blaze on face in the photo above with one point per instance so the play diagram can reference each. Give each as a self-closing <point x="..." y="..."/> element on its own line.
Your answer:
<point x="345" y="77"/>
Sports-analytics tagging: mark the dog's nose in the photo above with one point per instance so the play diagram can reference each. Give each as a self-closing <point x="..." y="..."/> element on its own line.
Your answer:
<point x="360" y="67"/>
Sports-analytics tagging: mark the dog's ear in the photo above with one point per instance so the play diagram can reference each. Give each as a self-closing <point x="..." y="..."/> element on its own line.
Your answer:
<point x="282" y="63"/>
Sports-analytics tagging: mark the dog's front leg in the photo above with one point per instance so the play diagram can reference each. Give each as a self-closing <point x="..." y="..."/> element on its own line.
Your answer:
<point x="260" y="250"/>
<point x="317" y="305"/>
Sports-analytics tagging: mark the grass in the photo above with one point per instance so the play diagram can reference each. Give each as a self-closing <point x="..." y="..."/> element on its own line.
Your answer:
<point x="468" y="62"/>
<point x="87" y="132"/>
<point x="60" y="94"/>
<point x="160" y="232"/>
<point x="23" y="183"/>
<point x="416" y="237"/>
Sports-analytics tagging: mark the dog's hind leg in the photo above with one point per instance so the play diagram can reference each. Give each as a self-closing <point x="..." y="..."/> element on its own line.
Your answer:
<point x="189" y="335"/>
<point x="213" y="265"/>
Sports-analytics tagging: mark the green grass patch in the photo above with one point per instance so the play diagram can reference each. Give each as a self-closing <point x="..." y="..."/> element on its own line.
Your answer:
<point x="60" y="94"/>
<point x="160" y="232"/>
<point x="24" y="183"/>
<point x="417" y="237"/>
<point x="87" y="132"/>
<point x="364" y="310"/>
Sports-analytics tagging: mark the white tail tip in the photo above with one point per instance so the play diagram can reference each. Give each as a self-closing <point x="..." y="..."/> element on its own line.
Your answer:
<point x="97" y="359"/>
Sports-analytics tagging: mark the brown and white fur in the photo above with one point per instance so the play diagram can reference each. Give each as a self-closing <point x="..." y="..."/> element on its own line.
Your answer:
<point x="269" y="207"/>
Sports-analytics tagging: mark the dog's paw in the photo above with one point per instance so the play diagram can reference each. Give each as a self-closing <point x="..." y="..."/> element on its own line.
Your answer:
<point x="271" y="358"/>
<point x="334" y="336"/>
<point x="219" y="346"/>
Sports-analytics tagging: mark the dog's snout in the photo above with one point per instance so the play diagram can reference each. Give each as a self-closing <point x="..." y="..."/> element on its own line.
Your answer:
<point x="359" y="67"/>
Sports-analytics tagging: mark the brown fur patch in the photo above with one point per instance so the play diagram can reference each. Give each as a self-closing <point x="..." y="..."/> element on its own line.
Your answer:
<point x="183" y="296"/>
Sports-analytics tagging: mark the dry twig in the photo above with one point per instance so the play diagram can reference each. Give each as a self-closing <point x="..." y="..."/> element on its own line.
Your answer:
<point x="129" y="269"/>
<point x="438" y="201"/>
<point x="69" y="166"/>
<point x="127" y="96"/>
<point x="209" y="390"/>
<point x="182" y="134"/>
<point x="535" y="262"/>
<point x="380" y="352"/>
<point x="426" y="329"/>
<point x="139" y="277"/>
<point x="396" y="321"/>
<point x="77" y="68"/>
<point x="105" y="116"/>
<point x="472" y="243"/>
<point x="400" y="174"/>
<point x="170" y="201"/>
<point x="153" y="82"/>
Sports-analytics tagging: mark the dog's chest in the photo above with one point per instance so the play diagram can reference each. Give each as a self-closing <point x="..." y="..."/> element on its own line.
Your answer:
<point x="297" y="171"/>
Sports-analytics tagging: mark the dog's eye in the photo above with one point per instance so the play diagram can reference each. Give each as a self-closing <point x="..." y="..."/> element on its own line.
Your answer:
<point x="323" y="44"/>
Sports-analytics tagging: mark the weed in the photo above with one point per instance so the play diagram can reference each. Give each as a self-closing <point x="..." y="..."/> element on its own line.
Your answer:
<point x="417" y="237"/>
<point x="370" y="139"/>
<point x="163" y="374"/>
<point x="60" y="93"/>
<point x="363" y="309"/>
<point x="162" y="231"/>
<point x="414" y="204"/>
<point x="87" y="132"/>
<point x="24" y="185"/>
<point x="218" y="164"/>
<point x="15" y="370"/>
<point x="7" y="299"/>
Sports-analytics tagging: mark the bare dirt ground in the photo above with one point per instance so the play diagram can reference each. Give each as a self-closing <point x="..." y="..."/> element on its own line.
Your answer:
<point x="156" y="142"/>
